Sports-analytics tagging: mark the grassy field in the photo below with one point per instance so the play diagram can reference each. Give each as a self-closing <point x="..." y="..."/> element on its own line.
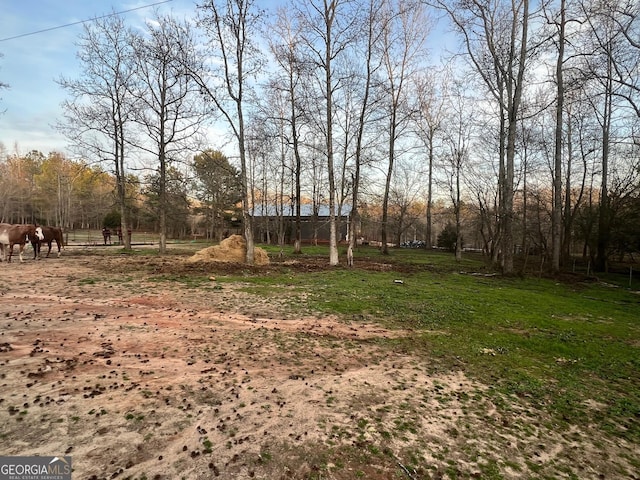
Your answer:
<point x="560" y="343"/>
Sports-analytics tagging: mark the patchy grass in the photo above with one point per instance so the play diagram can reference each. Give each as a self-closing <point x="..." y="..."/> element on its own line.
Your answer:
<point x="564" y="345"/>
<point x="406" y="366"/>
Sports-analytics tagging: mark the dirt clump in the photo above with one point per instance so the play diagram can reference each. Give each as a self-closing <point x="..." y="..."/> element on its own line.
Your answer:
<point x="232" y="249"/>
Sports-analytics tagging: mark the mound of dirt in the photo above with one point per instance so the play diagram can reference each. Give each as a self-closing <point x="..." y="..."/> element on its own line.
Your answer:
<point x="232" y="250"/>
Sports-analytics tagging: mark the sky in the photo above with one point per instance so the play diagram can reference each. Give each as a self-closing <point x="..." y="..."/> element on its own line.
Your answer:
<point x="36" y="53"/>
<point x="31" y="64"/>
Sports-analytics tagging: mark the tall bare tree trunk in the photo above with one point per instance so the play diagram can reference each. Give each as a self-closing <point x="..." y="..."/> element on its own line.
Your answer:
<point x="457" y="211"/>
<point x="556" y="236"/>
<point x="354" y="218"/>
<point x="514" y="107"/>
<point x="121" y="183"/>
<point x="162" y="193"/>
<point x="384" y="248"/>
<point x="501" y="66"/>
<point x="429" y="240"/>
<point x="604" y="211"/>
<point x="329" y="15"/>
<point x="232" y="24"/>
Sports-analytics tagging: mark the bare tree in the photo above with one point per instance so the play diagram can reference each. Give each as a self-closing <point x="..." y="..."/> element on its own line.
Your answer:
<point x="581" y="145"/>
<point x="604" y="44"/>
<point x="327" y="32"/>
<point x="317" y="180"/>
<point x="626" y="15"/>
<point x="404" y="200"/>
<point x="232" y="26"/>
<point x="169" y="112"/>
<point x="561" y="19"/>
<point x="429" y="113"/>
<point x="101" y="104"/>
<point x="270" y="148"/>
<point x="403" y="41"/>
<point x="479" y="179"/>
<point x="496" y="39"/>
<point x="561" y="24"/>
<point x="457" y="140"/>
<point x="371" y="64"/>
<point x="284" y="47"/>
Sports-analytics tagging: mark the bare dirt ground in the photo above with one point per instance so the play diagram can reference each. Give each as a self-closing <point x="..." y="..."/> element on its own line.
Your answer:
<point x="139" y="378"/>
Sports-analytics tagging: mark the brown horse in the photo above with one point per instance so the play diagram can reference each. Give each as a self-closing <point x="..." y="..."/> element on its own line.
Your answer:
<point x="48" y="235"/>
<point x="11" y="235"/>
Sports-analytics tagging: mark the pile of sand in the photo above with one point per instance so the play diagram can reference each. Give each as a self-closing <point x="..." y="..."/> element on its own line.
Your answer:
<point x="232" y="250"/>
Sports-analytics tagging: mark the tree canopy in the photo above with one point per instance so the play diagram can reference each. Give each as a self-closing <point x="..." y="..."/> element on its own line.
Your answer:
<point x="524" y="137"/>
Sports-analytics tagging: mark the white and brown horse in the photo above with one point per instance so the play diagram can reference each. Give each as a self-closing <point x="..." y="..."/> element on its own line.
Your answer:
<point x="46" y="235"/>
<point x="11" y="235"/>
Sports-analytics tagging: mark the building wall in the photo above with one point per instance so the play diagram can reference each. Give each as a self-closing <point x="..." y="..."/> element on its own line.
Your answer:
<point x="266" y="229"/>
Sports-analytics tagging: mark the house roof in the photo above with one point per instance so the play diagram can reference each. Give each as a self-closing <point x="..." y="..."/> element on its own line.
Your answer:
<point x="306" y="210"/>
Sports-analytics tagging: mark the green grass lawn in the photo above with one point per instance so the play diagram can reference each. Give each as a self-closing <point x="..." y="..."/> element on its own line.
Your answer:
<point x="562" y="345"/>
